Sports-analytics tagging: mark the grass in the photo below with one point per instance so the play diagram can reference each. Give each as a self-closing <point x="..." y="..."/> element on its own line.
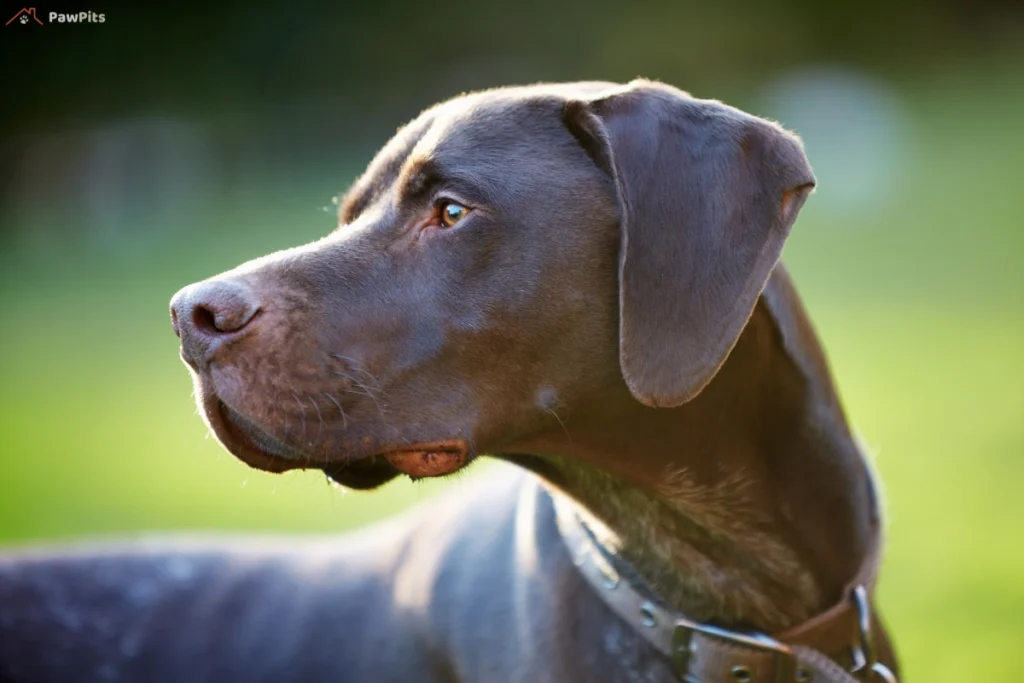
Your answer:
<point x="920" y="303"/>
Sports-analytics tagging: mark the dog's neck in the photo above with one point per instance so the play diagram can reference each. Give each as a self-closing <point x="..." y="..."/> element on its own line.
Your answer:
<point x="750" y="506"/>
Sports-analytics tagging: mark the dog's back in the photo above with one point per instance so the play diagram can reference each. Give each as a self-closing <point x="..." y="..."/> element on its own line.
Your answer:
<point x="256" y="609"/>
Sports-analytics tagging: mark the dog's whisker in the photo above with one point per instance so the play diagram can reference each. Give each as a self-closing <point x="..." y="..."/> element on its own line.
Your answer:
<point x="362" y="391"/>
<point x="564" y="429"/>
<point x="354" y="380"/>
<point x="355" y="365"/>
<point x="337" y="404"/>
<point x="319" y="417"/>
<point x="374" y="391"/>
<point x="369" y="395"/>
<point x="368" y="392"/>
<point x="302" y="415"/>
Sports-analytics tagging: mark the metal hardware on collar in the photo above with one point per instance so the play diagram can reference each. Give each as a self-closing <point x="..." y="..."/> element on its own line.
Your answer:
<point x="882" y="673"/>
<point x="687" y="643"/>
<point x="682" y="640"/>
<point x="864" y="652"/>
<point x="649" y="615"/>
<point x="741" y="673"/>
<point x="865" y="656"/>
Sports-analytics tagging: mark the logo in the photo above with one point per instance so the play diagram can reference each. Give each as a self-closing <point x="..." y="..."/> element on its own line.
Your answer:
<point x="77" y="18"/>
<point x="27" y="15"/>
<point x="24" y="15"/>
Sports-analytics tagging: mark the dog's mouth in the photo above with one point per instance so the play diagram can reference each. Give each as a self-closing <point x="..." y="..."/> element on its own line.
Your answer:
<point x="248" y="442"/>
<point x="418" y="461"/>
<point x="253" y="445"/>
<point x="245" y="430"/>
<point x="430" y="459"/>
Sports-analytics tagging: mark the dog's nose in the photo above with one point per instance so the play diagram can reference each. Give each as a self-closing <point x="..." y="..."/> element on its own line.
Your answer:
<point x="207" y="313"/>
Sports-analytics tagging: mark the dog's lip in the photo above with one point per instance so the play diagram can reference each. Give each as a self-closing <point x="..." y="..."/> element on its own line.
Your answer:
<point x="227" y="424"/>
<point x="432" y="459"/>
<point x="247" y="441"/>
<point x="446" y="445"/>
<point x="422" y="459"/>
<point x="417" y="460"/>
<point x="255" y="435"/>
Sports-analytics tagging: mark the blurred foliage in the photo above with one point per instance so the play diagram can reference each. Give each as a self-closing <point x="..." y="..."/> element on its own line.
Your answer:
<point x="919" y="298"/>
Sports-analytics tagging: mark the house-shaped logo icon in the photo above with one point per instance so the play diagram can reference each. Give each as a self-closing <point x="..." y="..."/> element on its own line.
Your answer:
<point x="24" y="15"/>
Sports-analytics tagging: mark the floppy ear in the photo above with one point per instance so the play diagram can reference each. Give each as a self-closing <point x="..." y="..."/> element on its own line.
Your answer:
<point x="707" y="195"/>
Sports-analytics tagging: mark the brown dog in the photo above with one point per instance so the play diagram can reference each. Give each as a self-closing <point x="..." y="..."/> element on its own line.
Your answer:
<point x="579" y="279"/>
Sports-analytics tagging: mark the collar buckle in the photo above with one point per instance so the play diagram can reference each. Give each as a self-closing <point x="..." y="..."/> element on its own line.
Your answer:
<point x="685" y="644"/>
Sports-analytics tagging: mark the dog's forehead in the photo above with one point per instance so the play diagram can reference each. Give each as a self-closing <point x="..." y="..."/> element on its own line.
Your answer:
<point x="473" y="129"/>
<point x="490" y="127"/>
<point x="501" y="117"/>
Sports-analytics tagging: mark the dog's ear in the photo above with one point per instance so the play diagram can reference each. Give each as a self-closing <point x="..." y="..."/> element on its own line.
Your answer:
<point x="707" y="196"/>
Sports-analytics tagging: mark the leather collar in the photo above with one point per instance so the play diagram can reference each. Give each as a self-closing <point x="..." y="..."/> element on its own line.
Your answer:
<point x="835" y="646"/>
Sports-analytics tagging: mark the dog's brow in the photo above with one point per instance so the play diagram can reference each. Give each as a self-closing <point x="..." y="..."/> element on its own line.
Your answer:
<point x="353" y="202"/>
<point x="423" y="175"/>
<point x="418" y="177"/>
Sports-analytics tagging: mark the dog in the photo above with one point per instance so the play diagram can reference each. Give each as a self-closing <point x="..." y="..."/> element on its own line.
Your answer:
<point x="581" y="280"/>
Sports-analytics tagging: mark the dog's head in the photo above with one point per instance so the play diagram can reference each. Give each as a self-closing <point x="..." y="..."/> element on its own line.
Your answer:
<point x="507" y="256"/>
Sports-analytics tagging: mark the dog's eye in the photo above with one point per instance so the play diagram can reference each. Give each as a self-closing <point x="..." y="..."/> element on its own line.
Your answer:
<point x="452" y="213"/>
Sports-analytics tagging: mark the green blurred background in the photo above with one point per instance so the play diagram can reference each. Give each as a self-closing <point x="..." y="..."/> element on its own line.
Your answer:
<point x="165" y="145"/>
